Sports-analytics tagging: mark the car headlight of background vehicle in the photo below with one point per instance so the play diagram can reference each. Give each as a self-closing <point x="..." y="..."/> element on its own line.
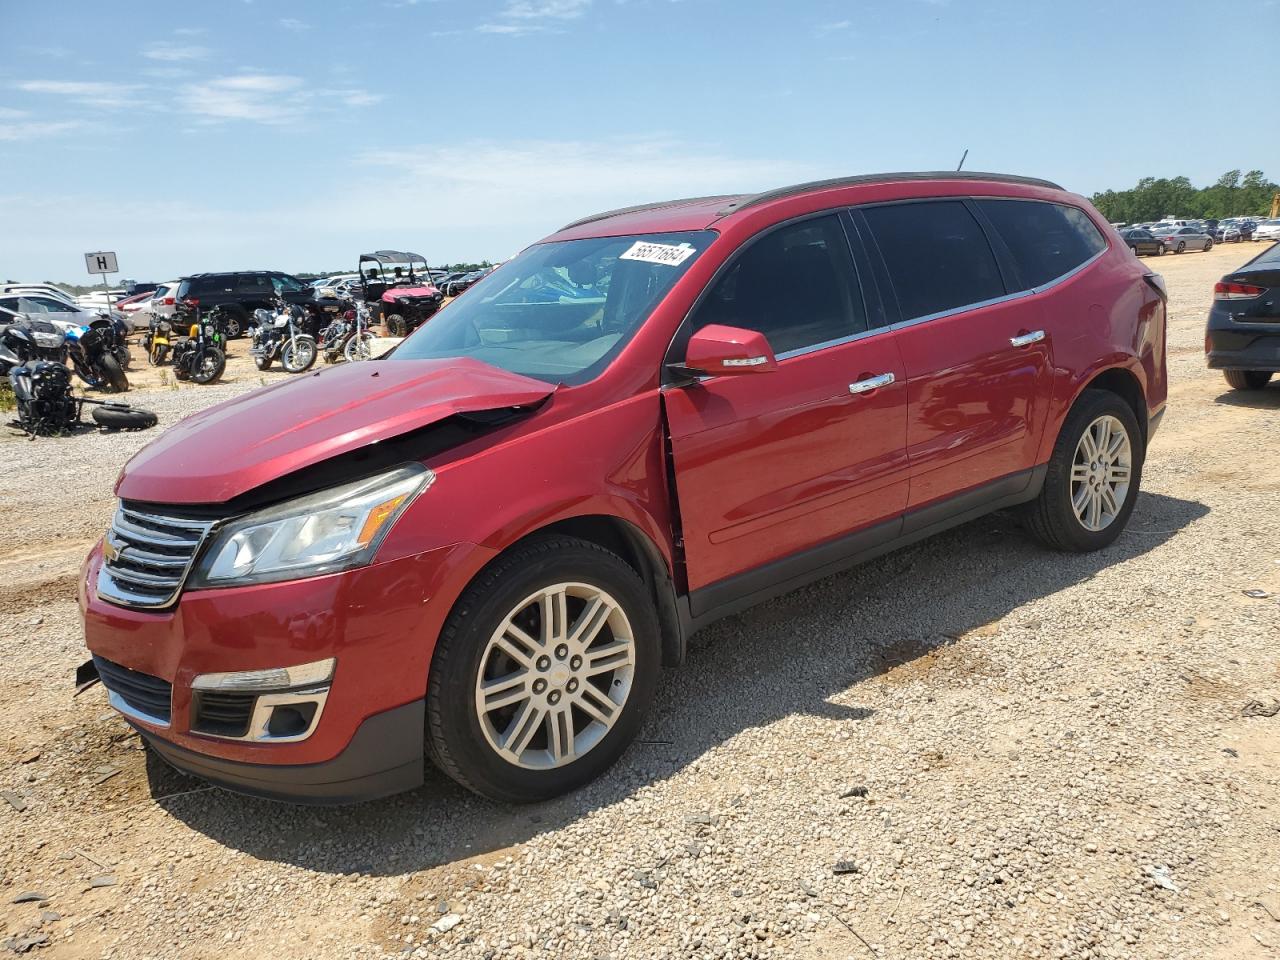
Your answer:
<point x="324" y="532"/>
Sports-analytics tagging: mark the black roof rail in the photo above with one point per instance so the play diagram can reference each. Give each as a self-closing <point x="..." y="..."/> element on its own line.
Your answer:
<point x="647" y="206"/>
<point x="742" y="202"/>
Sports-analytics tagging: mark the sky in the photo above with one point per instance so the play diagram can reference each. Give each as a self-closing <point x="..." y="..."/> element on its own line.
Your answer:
<point x="292" y="135"/>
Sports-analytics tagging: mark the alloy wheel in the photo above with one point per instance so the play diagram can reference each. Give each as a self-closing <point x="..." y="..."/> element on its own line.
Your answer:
<point x="1100" y="473"/>
<point x="555" y="676"/>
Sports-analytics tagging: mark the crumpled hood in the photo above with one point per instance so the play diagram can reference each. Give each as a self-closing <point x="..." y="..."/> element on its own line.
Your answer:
<point x="233" y="447"/>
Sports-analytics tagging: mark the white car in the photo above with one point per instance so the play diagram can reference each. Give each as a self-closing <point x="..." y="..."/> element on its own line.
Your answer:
<point x="164" y="302"/>
<point x="46" y="289"/>
<point x="1267" y="230"/>
<point x="44" y="307"/>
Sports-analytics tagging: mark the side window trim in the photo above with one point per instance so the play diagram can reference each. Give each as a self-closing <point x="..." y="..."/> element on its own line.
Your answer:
<point x="683" y="331"/>
<point x="873" y="298"/>
<point x="1009" y="274"/>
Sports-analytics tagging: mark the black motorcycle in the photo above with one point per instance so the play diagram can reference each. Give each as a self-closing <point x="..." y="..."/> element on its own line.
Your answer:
<point x="47" y="407"/>
<point x="279" y="335"/>
<point x="95" y="351"/>
<point x="201" y="355"/>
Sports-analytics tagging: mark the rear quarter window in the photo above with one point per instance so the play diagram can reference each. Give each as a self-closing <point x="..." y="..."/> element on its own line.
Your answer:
<point x="1046" y="240"/>
<point x="937" y="255"/>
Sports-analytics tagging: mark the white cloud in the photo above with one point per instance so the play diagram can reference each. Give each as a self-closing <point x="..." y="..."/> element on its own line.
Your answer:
<point x="190" y="31"/>
<point x="259" y="97"/>
<point x="35" y="129"/>
<point x="174" y="52"/>
<point x="545" y="9"/>
<point x="837" y="26"/>
<point x="9" y="113"/>
<point x="91" y="93"/>
<point x="297" y="26"/>
<point x="528" y="16"/>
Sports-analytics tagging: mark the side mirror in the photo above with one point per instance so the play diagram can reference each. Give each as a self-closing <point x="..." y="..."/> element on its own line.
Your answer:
<point x="717" y="350"/>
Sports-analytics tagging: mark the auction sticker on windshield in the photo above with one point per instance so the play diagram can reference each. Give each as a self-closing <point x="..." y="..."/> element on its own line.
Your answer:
<point x="664" y="253"/>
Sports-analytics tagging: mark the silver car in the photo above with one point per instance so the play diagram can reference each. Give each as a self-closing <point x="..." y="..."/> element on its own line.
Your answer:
<point x="37" y="306"/>
<point x="1182" y="239"/>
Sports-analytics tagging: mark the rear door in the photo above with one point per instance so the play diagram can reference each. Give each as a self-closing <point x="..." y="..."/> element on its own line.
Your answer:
<point x="771" y="467"/>
<point x="977" y="361"/>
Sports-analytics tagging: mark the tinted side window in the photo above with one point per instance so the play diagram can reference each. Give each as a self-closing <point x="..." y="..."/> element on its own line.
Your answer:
<point x="795" y="285"/>
<point x="202" y="285"/>
<point x="937" y="255"/>
<point x="1046" y="240"/>
<point x="253" y="285"/>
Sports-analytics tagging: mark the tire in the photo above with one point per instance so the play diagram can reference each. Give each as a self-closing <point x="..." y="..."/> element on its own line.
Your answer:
<point x="112" y="374"/>
<point x="1182" y="245"/>
<point x="157" y="355"/>
<point x="1247" y="379"/>
<point x="1052" y="517"/>
<point x="396" y="326"/>
<point x="1160" y="252"/>
<point x="299" y="355"/>
<point x="120" y="416"/>
<point x="1208" y="245"/>
<point x="235" y="321"/>
<point x="261" y="362"/>
<point x="463" y="745"/>
<point x="209" y="365"/>
<point x="359" y="348"/>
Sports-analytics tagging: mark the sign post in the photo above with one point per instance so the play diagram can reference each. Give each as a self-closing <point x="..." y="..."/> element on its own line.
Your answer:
<point x="103" y="262"/>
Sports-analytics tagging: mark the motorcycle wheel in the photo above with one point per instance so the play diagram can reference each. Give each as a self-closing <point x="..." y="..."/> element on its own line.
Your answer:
<point x="112" y="374"/>
<point x="158" y="354"/>
<point x="396" y="326"/>
<point x="121" y="416"/>
<point x="209" y="365"/>
<point x="359" y="348"/>
<point x="298" y="355"/>
<point x="261" y="361"/>
<point x="123" y="356"/>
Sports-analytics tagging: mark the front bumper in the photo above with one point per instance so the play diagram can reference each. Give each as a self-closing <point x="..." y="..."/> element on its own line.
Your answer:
<point x="379" y="622"/>
<point x="384" y="757"/>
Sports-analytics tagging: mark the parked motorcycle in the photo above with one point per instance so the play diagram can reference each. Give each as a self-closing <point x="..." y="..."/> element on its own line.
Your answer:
<point x="349" y="337"/>
<point x="201" y="355"/>
<point x="158" y="340"/>
<point x="94" y="354"/>
<point x="279" y="335"/>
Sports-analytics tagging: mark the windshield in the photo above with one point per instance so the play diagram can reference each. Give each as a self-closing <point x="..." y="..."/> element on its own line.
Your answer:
<point x="560" y="311"/>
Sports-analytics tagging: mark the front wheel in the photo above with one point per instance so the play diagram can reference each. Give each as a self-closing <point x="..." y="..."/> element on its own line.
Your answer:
<point x="397" y="326"/>
<point x="1247" y="379"/>
<point x="112" y="374"/>
<point x="262" y="361"/>
<point x="359" y="347"/>
<point x="298" y="354"/>
<point x="543" y="673"/>
<point x="208" y="366"/>
<point x="1160" y="251"/>
<point x="1208" y="245"/>
<point x="1093" y="476"/>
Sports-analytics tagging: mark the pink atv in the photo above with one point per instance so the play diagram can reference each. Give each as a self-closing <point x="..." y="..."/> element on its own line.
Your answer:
<point x="398" y="289"/>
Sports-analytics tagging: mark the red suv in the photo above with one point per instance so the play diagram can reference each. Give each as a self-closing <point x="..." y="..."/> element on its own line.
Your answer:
<point x="483" y="547"/>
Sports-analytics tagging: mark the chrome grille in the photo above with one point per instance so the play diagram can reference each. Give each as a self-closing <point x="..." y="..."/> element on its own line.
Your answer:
<point x="146" y="557"/>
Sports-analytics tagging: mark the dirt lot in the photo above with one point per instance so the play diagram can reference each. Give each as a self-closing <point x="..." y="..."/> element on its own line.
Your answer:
<point x="1009" y="753"/>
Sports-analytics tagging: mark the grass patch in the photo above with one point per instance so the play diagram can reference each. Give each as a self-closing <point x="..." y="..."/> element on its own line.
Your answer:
<point x="7" y="400"/>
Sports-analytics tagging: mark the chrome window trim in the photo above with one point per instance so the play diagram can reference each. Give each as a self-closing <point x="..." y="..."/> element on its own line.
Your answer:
<point x="828" y="344"/>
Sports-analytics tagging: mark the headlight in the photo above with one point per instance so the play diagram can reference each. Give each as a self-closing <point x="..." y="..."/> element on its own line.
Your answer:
<point x="324" y="532"/>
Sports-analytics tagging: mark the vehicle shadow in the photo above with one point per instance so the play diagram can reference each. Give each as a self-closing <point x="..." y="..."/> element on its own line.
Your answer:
<point x="798" y="654"/>
<point x="1268" y="398"/>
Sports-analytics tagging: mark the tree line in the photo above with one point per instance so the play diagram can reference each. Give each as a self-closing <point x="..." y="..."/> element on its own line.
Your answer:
<point x="1233" y="195"/>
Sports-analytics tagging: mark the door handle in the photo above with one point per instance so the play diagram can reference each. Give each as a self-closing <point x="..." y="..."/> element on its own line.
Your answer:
<point x="1026" y="339"/>
<point x="871" y="383"/>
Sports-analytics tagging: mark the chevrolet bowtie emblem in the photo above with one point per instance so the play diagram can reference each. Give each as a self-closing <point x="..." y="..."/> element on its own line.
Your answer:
<point x="112" y="549"/>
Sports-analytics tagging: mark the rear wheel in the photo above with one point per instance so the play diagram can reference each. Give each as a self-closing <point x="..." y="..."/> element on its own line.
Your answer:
<point x="1093" y="476"/>
<point x="1182" y="245"/>
<point x="1208" y="245"/>
<point x="543" y="672"/>
<point x="262" y="361"/>
<point x="1247" y="379"/>
<point x="234" y="322"/>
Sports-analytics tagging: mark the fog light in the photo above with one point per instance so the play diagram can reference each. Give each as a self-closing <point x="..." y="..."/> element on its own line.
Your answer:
<point x="279" y="705"/>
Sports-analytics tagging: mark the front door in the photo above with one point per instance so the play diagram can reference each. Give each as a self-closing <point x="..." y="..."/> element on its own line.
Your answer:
<point x="769" y="467"/>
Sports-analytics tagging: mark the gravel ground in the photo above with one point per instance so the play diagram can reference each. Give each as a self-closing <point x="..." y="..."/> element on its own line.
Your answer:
<point x="970" y="748"/>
